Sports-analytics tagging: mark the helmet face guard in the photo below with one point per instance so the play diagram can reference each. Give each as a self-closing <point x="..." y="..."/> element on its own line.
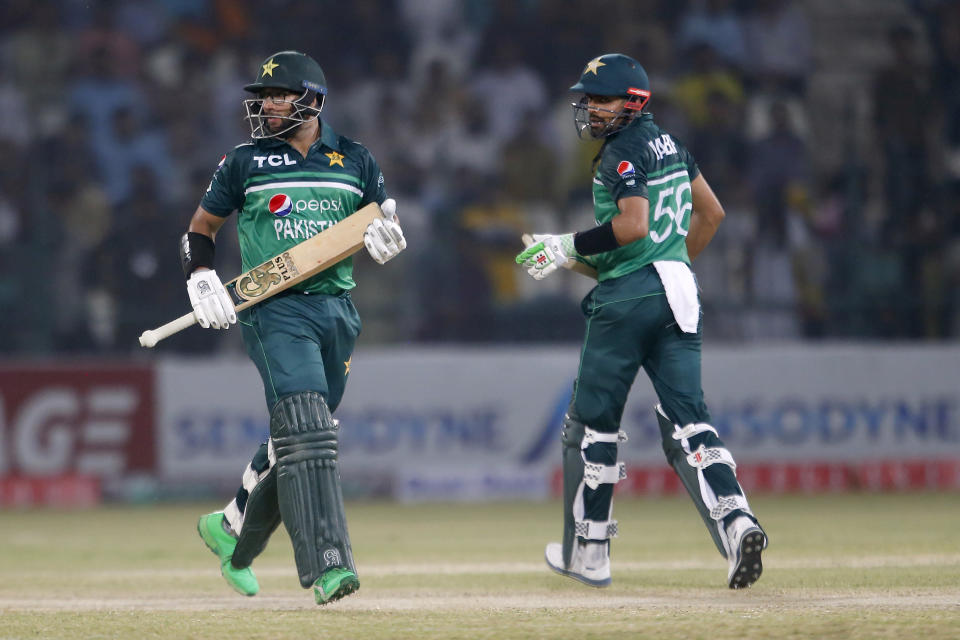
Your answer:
<point x="292" y="72"/>
<point x="300" y="112"/>
<point x="636" y="100"/>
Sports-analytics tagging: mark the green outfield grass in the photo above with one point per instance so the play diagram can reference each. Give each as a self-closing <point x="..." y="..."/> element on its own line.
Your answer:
<point x="850" y="566"/>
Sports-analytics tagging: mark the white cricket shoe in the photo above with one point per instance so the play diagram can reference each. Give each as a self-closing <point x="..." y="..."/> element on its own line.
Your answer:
<point x="590" y="563"/>
<point x="746" y="542"/>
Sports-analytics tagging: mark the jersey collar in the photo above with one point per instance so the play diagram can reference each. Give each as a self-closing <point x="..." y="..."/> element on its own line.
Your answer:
<point x="328" y="136"/>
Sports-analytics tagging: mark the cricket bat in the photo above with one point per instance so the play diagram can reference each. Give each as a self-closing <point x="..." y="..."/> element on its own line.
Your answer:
<point x="294" y="265"/>
<point x="573" y="265"/>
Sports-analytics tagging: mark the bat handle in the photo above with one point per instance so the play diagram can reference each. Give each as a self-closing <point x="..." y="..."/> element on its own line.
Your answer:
<point x="151" y="337"/>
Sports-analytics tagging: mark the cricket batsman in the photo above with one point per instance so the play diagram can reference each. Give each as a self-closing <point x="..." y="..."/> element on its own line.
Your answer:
<point x="294" y="179"/>
<point x="654" y="213"/>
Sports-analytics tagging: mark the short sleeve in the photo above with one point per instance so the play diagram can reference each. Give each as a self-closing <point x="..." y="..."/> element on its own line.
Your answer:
<point x="692" y="169"/>
<point x="224" y="195"/>
<point x="623" y="172"/>
<point x="372" y="180"/>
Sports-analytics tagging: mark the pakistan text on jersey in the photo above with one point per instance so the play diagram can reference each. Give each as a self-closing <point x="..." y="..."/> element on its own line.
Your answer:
<point x="300" y="229"/>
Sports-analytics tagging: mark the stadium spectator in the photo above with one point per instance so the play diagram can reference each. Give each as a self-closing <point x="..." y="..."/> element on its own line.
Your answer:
<point x="779" y="47"/>
<point x="717" y="24"/>
<point x="462" y="105"/>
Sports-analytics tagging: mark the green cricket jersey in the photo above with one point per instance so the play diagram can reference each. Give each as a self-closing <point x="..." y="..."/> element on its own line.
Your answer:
<point x="643" y="160"/>
<point x="283" y="198"/>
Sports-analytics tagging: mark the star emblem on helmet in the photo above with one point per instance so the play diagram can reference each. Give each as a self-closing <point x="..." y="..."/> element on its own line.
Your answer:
<point x="335" y="158"/>
<point x="269" y="67"/>
<point x="593" y="65"/>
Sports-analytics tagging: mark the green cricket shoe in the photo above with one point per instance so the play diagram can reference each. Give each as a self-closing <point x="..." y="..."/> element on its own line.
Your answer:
<point x="222" y="544"/>
<point x="335" y="584"/>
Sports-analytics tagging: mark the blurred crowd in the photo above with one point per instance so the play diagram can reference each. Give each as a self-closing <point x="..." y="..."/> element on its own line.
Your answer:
<point x="834" y="145"/>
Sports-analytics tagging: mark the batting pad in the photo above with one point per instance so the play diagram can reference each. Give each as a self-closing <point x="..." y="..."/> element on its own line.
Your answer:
<point x="304" y="438"/>
<point x="707" y="470"/>
<point x="590" y="469"/>
<point x="261" y="517"/>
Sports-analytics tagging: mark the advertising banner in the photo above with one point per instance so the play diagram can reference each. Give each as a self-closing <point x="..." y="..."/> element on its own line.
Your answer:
<point x="481" y="423"/>
<point x="64" y="428"/>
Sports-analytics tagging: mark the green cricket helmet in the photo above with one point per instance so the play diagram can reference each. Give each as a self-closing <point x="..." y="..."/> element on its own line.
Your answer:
<point x="292" y="71"/>
<point x="612" y="74"/>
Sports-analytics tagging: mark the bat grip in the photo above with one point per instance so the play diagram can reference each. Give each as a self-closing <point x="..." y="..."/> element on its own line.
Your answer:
<point x="151" y="337"/>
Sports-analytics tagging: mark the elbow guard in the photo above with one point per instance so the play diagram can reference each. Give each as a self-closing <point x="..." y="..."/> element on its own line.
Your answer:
<point x="196" y="250"/>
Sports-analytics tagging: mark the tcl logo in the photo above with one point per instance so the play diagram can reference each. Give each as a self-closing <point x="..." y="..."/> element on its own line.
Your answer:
<point x="274" y="160"/>
<point x="89" y="422"/>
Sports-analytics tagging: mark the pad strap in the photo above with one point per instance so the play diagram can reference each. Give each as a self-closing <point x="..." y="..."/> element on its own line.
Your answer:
<point x="693" y="429"/>
<point x="590" y="436"/>
<point x="271" y="452"/>
<point x="593" y="530"/>
<point x="727" y="504"/>
<point x="704" y="456"/>
<point x="596" y="474"/>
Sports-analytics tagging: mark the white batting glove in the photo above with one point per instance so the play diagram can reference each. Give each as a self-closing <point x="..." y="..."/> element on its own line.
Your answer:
<point x="211" y="302"/>
<point x="384" y="238"/>
<point x="547" y="254"/>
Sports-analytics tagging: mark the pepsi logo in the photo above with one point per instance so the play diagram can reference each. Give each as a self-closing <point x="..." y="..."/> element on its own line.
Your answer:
<point x="280" y="205"/>
<point x="625" y="168"/>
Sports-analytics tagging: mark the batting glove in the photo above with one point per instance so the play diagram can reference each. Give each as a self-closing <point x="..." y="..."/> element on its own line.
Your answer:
<point x="547" y="254"/>
<point x="384" y="238"/>
<point x="211" y="302"/>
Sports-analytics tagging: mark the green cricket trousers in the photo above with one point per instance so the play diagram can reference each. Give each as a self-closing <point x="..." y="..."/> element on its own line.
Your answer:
<point x="302" y="342"/>
<point x="630" y="325"/>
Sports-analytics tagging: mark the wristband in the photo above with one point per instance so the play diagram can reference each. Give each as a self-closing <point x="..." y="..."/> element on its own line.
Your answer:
<point x="596" y="240"/>
<point x="196" y="250"/>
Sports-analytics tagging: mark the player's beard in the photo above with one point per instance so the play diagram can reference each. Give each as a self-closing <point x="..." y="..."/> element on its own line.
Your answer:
<point x="598" y="125"/>
<point x="276" y="125"/>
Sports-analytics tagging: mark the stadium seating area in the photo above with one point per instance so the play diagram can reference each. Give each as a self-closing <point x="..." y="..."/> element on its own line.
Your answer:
<point x="830" y="129"/>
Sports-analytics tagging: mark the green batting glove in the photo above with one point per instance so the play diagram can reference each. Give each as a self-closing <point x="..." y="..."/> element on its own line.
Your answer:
<point x="547" y="254"/>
